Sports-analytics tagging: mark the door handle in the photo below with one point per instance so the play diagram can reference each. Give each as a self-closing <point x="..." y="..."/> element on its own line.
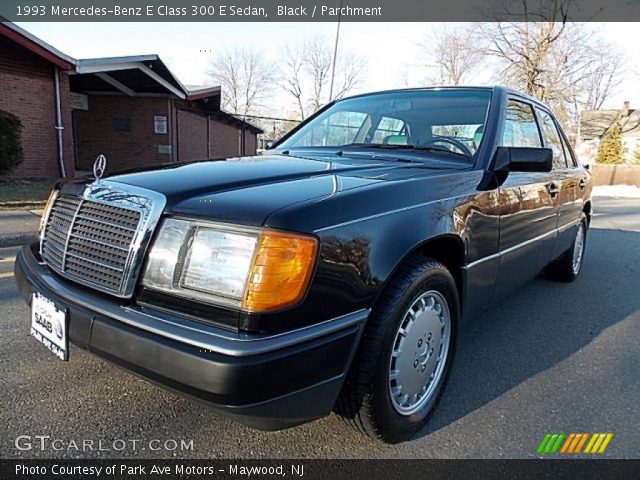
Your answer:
<point x="553" y="189"/>
<point x="582" y="183"/>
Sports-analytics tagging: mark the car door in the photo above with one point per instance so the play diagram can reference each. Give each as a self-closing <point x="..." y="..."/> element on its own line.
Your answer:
<point x="527" y="205"/>
<point x="570" y="181"/>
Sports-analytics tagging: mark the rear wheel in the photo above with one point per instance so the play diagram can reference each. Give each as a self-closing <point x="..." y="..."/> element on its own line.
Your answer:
<point x="567" y="266"/>
<point x="405" y="355"/>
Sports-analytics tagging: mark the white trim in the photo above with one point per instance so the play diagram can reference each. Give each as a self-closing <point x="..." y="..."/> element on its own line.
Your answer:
<point x="104" y="61"/>
<point x="200" y="91"/>
<point x="40" y="42"/>
<point x="115" y="83"/>
<point x="83" y="67"/>
<point x="161" y="81"/>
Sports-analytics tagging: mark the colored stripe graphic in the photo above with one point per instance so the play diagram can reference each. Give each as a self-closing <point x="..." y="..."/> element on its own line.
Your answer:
<point x="556" y="446"/>
<point x="591" y="443"/>
<point x="565" y="447"/>
<point x="598" y="443"/>
<point x="581" y="443"/>
<point x="572" y="443"/>
<point x="551" y="443"/>
<point x="607" y="439"/>
<point x="543" y="443"/>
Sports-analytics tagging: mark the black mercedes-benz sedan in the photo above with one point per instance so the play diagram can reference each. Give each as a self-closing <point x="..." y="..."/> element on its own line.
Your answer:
<point x="331" y="273"/>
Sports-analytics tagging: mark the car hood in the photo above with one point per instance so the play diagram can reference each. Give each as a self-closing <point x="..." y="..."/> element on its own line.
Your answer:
<point x="247" y="190"/>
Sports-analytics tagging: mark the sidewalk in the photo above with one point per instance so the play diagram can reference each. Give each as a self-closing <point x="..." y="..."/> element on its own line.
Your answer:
<point x="18" y="227"/>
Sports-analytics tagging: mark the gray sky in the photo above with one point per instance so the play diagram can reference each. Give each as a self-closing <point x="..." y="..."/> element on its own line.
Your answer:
<point x="390" y="49"/>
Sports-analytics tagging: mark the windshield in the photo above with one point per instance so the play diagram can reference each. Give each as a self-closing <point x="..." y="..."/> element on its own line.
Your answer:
<point x="449" y="120"/>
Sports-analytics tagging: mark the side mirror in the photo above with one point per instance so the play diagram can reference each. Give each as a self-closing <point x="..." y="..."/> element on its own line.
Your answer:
<point x="268" y="145"/>
<point x="522" y="159"/>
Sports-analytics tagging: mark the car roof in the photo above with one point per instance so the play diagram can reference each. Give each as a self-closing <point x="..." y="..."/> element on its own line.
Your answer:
<point x="496" y="89"/>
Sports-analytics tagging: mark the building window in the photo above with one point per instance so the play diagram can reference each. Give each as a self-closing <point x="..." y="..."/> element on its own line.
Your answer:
<point x="122" y="124"/>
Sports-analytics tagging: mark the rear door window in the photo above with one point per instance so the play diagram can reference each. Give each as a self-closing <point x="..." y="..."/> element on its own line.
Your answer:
<point x="552" y="139"/>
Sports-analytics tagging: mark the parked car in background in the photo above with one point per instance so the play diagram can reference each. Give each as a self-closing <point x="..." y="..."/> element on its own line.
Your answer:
<point x="333" y="272"/>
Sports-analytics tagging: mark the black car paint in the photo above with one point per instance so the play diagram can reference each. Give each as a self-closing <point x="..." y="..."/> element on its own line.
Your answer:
<point x="370" y="210"/>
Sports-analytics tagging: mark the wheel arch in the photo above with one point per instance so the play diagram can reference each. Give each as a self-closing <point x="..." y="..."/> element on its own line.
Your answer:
<point x="447" y="248"/>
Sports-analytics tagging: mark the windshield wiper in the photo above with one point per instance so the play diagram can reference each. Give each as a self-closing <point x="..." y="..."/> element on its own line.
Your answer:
<point x="386" y="146"/>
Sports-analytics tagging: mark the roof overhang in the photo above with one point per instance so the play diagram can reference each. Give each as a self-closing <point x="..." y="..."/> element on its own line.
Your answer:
<point x="37" y="46"/>
<point x="138" y="75"/>
<point x="201" y="93"/>
<point x="236" y="121"/>
<point x="135" y="75"/>
<point x="132" y="75"/>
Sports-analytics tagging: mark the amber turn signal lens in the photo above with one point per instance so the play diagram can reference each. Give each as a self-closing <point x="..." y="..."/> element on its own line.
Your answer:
<point x="280" y="272"/>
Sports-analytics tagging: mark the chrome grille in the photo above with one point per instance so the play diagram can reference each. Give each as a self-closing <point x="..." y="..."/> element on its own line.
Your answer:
<point x="91" y="242"/>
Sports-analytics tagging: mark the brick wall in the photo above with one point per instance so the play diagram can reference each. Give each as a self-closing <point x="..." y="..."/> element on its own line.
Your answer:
<point x="250" y="142"/>
<point x="27" y="90"/>
<point x="95" y="132"/>
<point x="192" y="136"/>
<point x="223" y="140"/>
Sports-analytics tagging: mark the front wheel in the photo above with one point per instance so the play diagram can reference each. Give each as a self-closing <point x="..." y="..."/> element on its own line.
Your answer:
<point x="405" y="356"/>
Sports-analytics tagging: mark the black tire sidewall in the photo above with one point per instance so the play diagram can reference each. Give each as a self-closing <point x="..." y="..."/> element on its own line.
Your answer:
<point x="393" y="426"/>
<point x="583" y="224"/>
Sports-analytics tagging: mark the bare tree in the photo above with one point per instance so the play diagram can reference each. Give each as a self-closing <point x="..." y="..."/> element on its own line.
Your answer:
<point x="291" y="78"/>
<point x="526" y="54"/>
<point x="348" y="75"/>
<point x="605" y="75"/>
<point x="317" y="66"/>
<point x="305" y="74"/>
<point x="245" y="78"/>
<point x="563" y="64"/>
<point x="453" y="55"/>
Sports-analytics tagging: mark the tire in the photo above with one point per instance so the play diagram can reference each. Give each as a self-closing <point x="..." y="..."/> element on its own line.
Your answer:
<point x="563" y="269"/>
<point x="372" y="400"/>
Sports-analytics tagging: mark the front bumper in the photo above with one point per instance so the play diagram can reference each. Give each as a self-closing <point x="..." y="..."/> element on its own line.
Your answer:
<point x="264" y="381"/>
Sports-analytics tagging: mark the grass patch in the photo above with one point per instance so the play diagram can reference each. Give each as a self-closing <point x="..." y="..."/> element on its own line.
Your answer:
<point x="25" y="193"/>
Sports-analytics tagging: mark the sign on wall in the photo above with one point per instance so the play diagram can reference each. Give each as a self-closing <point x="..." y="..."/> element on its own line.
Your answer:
<point x="160" y="124"/>
<point x="78" y="101"/>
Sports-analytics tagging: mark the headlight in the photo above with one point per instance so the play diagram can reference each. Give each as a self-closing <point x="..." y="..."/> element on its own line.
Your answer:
<point x="250" y="269"/>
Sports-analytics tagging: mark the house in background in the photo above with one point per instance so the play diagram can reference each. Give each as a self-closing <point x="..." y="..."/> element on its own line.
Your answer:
<point x="131" y="109"/>
<point x="595" y="123"/>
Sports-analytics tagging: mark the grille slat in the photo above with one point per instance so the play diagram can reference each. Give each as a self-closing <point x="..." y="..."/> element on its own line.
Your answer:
<point x="56" y="236"/>
<point x="109" y="247"/>
<point x="117" y="233"/>
<point x="104" y="222"/>
<point x="90" y="241"/>
<point x="101" y="235"/>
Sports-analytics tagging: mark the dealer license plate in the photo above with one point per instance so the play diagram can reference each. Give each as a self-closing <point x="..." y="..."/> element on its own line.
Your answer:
<point x="49" y="325"/>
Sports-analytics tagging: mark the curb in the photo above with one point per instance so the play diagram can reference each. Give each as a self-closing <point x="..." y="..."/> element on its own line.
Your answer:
<point x="27" y="206"/>
<point x="17" y="239"/>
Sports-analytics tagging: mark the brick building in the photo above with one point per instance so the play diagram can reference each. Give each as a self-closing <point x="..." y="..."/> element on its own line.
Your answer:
<point x="131" y="109"/>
